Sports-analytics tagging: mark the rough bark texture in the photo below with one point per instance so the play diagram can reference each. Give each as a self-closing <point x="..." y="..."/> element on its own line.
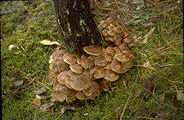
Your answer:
<point x="77" y="27"/>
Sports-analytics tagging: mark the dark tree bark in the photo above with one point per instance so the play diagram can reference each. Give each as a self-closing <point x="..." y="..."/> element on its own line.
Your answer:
<point x="78" y="29"/>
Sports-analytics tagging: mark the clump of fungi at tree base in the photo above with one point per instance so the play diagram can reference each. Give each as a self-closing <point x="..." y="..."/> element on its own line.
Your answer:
<point x="84" y="77"/>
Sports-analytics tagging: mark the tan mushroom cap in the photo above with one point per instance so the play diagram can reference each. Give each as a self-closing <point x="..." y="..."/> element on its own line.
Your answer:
<point x="86" y="63"/>
<point x="108" y="57"/>
<point x="128" y="40"/>
<point x="80" y="95"/>
<point x="93" y="91"/>
<point x="117" y="67"/>
<point x="111" y="76"/>
<point x="105" y="85"/>
<point x="98" y="72"/>
<point x="57" y="54"/>
<point x="71" y="97"/>
<point x="128" y="64"/>
<point x="105" y="32"/>
<point x="100" y="61"/>
<point x="122" y="57"/>
<point x="117" y="49"/>
<point x="58" y="96"/>
<point x="79" y="82"/>
<point x="123" y="47"/>
<point x="110" y="50"/>
<point x="62" y="77"/>
<point x="76" y="68"/>
<point x="102" y="24"/>
<point x="93" y="50"/>
<point x="109" y="38"/>
<point x="58" y="65"/>
<point x="108" y="66"/>
<point x="70" y="58"/>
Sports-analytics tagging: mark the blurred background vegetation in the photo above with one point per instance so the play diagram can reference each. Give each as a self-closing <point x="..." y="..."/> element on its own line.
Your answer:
<point x="151" y="89"/>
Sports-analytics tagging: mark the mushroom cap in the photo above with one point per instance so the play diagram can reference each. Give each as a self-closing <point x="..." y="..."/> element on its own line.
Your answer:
<point x="105" y="85"/>
<point x="79" y="82"/>
<point x="118" y="43"/>
<point x="117" y="49"/>
<point x="108" y="66"/>
<point x="57" y="54"/>
<point x="105" y="32"/>
<point x="93" y="91"/>
<point x="118" y="37"/>
<point x="86" y="63"/>
<point x="123" y="47"/>
<point x="117" y="67"/>
<point x="109" y="38"/>
<point x="111" y="76"/>
<point x="76" y="68"/>
<point x="71" y="97"/>
<point x="122" y="57"/>
<point x="99" y="72"/>
<point x="100" y="61"/>
<point x="62" y="77"/>
<point x="70" y="58"/>
<point x="93" y="50"/>
<point x="60" y="88"/>
<point x="58" y="96"/>
<point x="110" y="50"/>
<point x="128" y="64"/>
<point x="58" y="65"/>
<point x="80" y="95"/>
<point x="102" y="24"/>
<point x="108" y="57"/>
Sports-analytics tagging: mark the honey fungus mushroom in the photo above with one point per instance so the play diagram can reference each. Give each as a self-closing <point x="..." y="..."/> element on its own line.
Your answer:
<point x="93" y="50"/>
<point x="79" y="81"/>
<point x="62" y="93"/>
<point x="93" y="91"/>
<point x="57" y="65"/>
<point x="70" y="58"/>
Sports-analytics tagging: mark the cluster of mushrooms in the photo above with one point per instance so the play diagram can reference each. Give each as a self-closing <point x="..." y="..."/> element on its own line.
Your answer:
<point x="84" y="77"/>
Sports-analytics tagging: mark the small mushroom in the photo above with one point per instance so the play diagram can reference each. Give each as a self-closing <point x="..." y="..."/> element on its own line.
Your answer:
<point x="128" y="64"/>
<point x="123" y="47"/>
<point x="70" y="58"/>
<point x="111" y="76"/>
<point x="76" y="68"/>
<point x="110" y="50"/>
<point x="62" y="77"/>
<point x="105" y="85"/>
<point x="109" y="38"/>
<point x="117" y="50"/>
<point x="128" y="40"/>
<point x="93" y="91"/>
<point x="117" y="67"/>
<point x="109" y="20"/>
<point x="80" y="95"/>
<point x="57" y="54"/>
<point x="122" y="57"/>
<point x="102" y="24"/>
<point x="118" y="43"/>
<point x="100" y="61"/>
<point x="105" y="32"/>
<point x="58" y="65"/>
<point x="118" y="37"/>
<point x="108" y="66"/>
<point x="58" y="96"/>
<point x="108" y="57"/>
<point x="79" y="82"/>
<point x="98" y="72"/>
<point x="93" y="50"/>
<point x="86" y="63"/>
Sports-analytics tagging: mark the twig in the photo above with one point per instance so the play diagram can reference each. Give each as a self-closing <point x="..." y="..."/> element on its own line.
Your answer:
<point x="125" y="106"/>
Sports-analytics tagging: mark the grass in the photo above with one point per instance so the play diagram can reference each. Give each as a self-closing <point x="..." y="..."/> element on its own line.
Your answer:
<point x="136" y="95"/>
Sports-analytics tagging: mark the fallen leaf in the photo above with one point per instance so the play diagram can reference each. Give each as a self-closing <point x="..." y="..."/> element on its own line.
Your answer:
<point x="145" y="38"/>
<point x="37" y="102"/>
<point x="48" y="42"/>
<point x="148" y="65"/>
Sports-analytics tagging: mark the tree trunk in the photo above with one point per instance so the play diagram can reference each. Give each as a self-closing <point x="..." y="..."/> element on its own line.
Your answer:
<point x="78" y="29"/>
